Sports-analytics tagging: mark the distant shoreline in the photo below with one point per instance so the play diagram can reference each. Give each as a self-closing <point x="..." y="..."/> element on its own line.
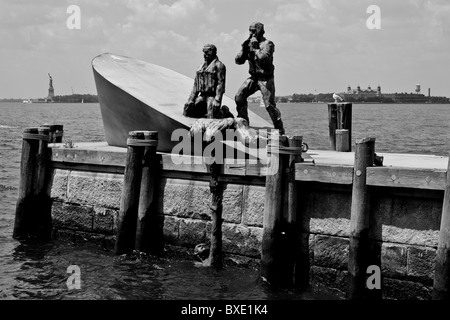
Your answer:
<point x="352" y="102"/>
<point x="253" y="103"/>
<point x="59" y="102"/>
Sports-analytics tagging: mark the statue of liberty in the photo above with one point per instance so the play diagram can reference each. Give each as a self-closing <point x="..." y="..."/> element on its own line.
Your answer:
<point x="51" y="91"/>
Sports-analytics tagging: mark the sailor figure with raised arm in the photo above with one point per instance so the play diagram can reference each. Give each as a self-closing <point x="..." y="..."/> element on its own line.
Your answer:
<point x="258" y="51"/>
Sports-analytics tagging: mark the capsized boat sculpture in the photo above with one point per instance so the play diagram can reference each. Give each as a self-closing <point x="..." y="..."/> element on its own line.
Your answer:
<point x="136" y="95"/>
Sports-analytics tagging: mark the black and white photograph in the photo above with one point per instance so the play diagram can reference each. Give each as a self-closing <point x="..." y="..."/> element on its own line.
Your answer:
<point x="225" y="158"/>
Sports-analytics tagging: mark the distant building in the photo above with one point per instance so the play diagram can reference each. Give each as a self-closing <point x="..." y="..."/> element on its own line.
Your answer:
<point x="358" y="93"/>
<point x="376" y="96"/>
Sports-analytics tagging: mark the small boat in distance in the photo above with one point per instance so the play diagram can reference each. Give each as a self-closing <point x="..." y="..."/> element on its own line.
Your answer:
<point x="135" y="95"/>
<point x="27" y="101"/>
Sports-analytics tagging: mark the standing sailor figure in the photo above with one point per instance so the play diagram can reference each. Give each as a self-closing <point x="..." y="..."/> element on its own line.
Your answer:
<point x="258" y="51"/>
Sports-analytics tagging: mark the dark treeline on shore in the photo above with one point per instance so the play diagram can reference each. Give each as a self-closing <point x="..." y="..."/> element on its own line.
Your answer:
<point x="76" y="98"/>
<point x="391" y="98"/>
<point x="73" y="98"/>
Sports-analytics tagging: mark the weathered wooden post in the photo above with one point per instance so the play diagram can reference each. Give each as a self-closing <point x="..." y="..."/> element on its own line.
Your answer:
<point x="25" y="202"/>
<point x="332" y="124"/>
<point x="344" y="120"/>
<point x="42" y="218"/>
<point x="359" y="250"/>
<point x="129" y="202"/>
<point x="342" y="140"/>
<point x="297" y="266"/>
<point x="215" y="258"/>
<point x="339" y="117"/>
<point x="298" y="221"/>
<point x="273" y="232"/>
<point x="149" y="230"/>
<point x="441" y="286"/>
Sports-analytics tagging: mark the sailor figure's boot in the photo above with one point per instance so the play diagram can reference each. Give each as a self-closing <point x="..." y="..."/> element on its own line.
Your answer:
<point x="226" y="112"/>
<point x="188" y="108"/>
<point x="278" y="124"/>
<point x="275" y="115"/>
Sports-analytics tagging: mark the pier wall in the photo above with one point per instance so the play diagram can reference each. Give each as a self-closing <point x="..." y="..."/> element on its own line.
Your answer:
<point x="86" y="204"/>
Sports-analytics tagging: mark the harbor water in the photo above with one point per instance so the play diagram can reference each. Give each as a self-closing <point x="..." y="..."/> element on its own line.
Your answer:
<point x="39" y="270"/>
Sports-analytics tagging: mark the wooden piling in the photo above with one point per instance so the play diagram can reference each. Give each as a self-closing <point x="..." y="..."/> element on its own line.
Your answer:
<point x="297" y="263"/>
<point x="42" y="218"/>
<point x="441" y="286"/>
<point x="332" y="124"/>
<point x="273" y="229"/>
<point x="298" y="222"/>
<point x="215" y="258"/>
<point x="25" y="202"/>
<point x="339" y="117"/>
<point x="33" y="165"/>
<point x="359" y="250"/>
<point x="129" y="203"/>
<point x="149" y="230"/>
<point x="344" y="120"/>
<point x="342" y="140"/>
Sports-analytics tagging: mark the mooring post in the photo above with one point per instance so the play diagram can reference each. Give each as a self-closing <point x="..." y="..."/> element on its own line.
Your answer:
<point x="332" y="124"/>
<point x="339" y="117"/>
<point x="298" y="221"/>
<point x="215" y="258"/>
<point x="25" y="202"/>
<point x="42" y="218"/>
<point x="273" y="224"/>
<point x="129" y="202"/>
<point x="359" y="250"/>
<point x="344" y="121"/>
<point x="295" y="260"/>
<point x="342" y="140"/>
<point x="441" y="286"/>
<point x="149" y="230"/>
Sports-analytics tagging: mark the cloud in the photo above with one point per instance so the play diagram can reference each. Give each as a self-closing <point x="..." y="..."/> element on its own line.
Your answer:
<point x="176" y="15"/>
<point x="311" y="37"/>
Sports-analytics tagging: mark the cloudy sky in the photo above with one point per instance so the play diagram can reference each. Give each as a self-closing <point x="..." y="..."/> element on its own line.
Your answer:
<point x="320" y="45"/>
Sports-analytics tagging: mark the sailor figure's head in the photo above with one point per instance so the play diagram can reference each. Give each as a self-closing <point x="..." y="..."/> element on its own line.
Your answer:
<point x="256" y="30"/>
<point x="209" y="52"/>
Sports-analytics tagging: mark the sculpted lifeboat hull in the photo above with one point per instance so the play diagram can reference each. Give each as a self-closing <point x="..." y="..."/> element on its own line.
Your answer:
<point x="136" y="95"/>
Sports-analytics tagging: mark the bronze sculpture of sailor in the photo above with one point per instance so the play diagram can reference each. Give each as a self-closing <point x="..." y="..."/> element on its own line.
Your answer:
<point x="258" y="51"/>
<point x="209" y="86"/>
